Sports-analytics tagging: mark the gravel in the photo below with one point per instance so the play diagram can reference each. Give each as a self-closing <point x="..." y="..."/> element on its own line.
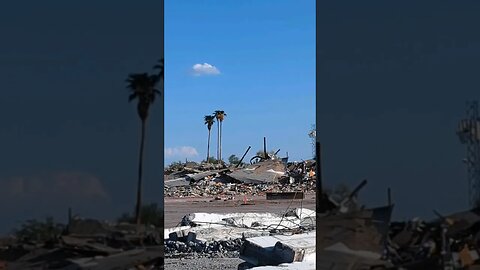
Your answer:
<point x="202" y="263"/>
<point x="213" y="249"/>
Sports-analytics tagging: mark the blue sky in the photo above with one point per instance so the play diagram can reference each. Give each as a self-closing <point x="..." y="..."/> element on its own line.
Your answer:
<point x="264" y="52"/>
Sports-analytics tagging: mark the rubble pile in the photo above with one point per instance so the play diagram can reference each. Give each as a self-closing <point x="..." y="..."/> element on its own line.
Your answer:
<point x="192" y="167"/>
<point x="350" y="236"/>
<point x="450" y="241"/>
<point x="370" y="238"/>
<point x="89" y="244"/>
<point x="207" y="180"/>
<point x="230" y="191"/>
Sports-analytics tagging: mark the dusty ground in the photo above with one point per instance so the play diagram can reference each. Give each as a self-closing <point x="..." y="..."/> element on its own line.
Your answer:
<point x="202" y="264"/>
<point x="176" y="208"/>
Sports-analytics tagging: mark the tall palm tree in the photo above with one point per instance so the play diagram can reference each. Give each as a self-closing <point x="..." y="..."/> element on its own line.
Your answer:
<point x="220" y="115"/>
<point x="221" y="118"/>
<point x="216" y="114"/>
<point x="209" y="120"/>
<point x="143" y="88"/>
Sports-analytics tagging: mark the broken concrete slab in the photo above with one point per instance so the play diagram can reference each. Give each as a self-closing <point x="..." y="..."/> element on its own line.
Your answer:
<point x="239" y="219"/>
<point x="277" y="249"/>
<point x="208" y="234"/>
<point x="202" y="175"/>
<point x="258" y="250"/>
<point x="267" y="171"/>
<point x="177" y="182"/>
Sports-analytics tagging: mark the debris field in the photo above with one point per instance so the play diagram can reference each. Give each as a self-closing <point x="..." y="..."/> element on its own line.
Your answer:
<point x="87" y="244"/>
<point x="342" y="235"/>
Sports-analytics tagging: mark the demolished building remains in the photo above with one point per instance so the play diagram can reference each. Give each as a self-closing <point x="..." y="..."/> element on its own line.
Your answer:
<point x="349" y="236"/>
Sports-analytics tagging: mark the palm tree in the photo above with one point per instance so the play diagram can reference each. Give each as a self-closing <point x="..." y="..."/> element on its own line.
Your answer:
<point x="209" y="120"/>
<point x="221" y="118"/>
<point x="159" y="66"/>
<point x="142" y="87"/>
<point x="216" y="114"/>
<point x="220" y="115"/>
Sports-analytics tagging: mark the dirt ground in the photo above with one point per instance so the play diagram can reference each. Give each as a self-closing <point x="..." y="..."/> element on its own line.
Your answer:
<point x="176" y="208"/>
<point x="203" y="264"/>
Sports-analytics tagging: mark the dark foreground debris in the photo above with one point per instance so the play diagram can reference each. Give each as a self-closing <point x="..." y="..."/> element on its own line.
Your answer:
<point x="88" y="244"/>
<point x="449" y="242"/>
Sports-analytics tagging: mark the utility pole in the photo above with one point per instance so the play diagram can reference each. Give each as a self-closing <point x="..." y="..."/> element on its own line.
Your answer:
<point x="469" y="134"/>
<point x="313" y="135"/>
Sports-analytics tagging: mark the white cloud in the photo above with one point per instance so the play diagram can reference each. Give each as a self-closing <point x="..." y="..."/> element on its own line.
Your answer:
<point x="181" y="152"/>
<point x="205" y="69"/>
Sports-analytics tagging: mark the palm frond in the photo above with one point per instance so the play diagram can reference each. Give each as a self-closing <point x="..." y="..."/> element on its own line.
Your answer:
<point x="132" y="97"/>
<point x="159" y="65"/>
<point x="161" y="69"/>
<point x="209" y="119"/>
<point x="142" y="87"/>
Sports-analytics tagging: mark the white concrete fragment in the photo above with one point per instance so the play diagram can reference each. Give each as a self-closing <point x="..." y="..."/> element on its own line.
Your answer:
<point x="278" y="248"/>
<point x="210" y="226"/>
<point x="167" y="231"/>
<point x="305" y="213"/>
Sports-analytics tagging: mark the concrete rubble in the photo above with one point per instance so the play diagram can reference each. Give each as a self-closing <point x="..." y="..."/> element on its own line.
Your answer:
<point x="342" y="235"/>
<point x="220" y="235"/>
<point x="205" y="180"/>
<point x="349" y="236"/>
<point x="88" y="244"/>
<point x="234" y="235"/>
<point x="245" y="235"/>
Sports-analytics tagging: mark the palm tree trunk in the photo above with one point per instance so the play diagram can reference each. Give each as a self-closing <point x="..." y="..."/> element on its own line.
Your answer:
<point x="208" y="146"/>
<point x="139" y="184"/>
<point x="220" y="142"/>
